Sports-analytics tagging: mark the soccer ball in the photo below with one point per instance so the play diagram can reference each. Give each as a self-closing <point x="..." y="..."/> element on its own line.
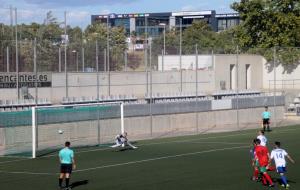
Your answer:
<point x="60" y="131"/>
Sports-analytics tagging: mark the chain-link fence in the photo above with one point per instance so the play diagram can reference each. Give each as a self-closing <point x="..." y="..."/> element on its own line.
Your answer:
<point x="171" y="85"/>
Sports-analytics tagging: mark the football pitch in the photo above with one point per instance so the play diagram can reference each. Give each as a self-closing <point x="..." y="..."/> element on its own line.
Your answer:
<point x="218" y="161"/>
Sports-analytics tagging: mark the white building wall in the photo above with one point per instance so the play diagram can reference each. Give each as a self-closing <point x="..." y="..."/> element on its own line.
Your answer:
<point x="188" y="62"/>
<point x="284" y="79"/>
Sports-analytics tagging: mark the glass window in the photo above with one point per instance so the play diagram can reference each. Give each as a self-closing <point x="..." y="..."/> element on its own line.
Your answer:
<point x="232" y="22"/>
<point x="122" y="22"/>
<point x="140" y="21"/>
<point x="222" y="24"/>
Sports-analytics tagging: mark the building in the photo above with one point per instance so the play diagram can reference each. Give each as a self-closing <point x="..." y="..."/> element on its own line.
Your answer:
<point x="156" y="23"/>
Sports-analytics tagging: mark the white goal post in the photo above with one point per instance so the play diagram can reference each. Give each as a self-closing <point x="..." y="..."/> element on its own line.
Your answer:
<point x="83" y="117"/>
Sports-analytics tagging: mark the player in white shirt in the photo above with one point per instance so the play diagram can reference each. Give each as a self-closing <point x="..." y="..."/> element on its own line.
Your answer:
<point x="122" y="140"/>
<point x="279" y="155"/>
<point x="263" y="139"/>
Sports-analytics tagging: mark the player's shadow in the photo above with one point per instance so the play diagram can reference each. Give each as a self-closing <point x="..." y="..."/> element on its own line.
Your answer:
<point x="125" y="149"/>
<point x="79" y="183"/>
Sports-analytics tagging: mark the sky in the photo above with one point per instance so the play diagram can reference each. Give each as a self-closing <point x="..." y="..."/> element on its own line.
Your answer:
<point x="79" y="11"/>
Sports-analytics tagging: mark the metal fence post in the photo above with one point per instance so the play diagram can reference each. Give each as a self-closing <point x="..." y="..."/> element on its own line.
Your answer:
<point x="104" y="60"/>
<point x="97" y="69"/>
<point x="59" y="60"/>
<point x="35" y="72"/>
<point x="7" y="59"/>
<point x="146" y="54"/>
<point x="125" y="60"/>
<point x="237" y="87"/>
<point x="150" y="65"/>
<point x="108" y="52"/>
<point x="162" y="60"/>
<point x="274" y="93"/>
<point x="17" y="53"/>
<point x="82" y="58"/>
<point x="66" y="72"/>
<point x="196" y="69"/>
<point x="180" y="55"/>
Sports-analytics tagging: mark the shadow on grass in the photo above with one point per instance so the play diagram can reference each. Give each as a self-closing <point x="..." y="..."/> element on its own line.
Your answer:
<point x="125" y="149"/>
<point x="79" y="183"/>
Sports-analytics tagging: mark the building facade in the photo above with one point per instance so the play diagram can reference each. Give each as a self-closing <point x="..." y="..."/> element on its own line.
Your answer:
<point x="155" y="23"/>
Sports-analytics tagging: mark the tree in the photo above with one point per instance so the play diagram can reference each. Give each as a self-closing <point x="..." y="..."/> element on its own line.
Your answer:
<point x="199" y="33"/>
<point x="50" y="19"/>
<point x="117" y="43"/>
<point x="270" y="23"/>
<point x="172" y="43"/>
<point x="118" y="47"/>
<point x="5" y="41"/>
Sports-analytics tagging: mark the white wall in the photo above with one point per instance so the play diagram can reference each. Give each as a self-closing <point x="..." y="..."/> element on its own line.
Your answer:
<point x="127" y="83"/>
<point x="284" y="79"/>
<point x="188" y="62"/>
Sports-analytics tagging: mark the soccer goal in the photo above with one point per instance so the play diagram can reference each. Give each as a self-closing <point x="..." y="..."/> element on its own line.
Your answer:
<point x="82" y="124"/>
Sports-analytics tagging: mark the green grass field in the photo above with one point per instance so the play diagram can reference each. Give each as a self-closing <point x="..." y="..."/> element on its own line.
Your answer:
<point x="219" y="161"/>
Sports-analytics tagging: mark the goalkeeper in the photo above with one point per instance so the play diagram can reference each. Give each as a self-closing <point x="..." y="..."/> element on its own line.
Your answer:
<point x="122" y="140"/>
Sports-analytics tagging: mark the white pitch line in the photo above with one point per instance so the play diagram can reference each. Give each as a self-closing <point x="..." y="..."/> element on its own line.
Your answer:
<point x="12" y="157"/>
<point x="167" y="142"/>
<point x="129" y="163"/>
<point x="233" y="143"/>
<point x="29" y="173"/>
<point x="149" y="144"/>
<point x="160" y="158"/>
<point x="17" y="160"/>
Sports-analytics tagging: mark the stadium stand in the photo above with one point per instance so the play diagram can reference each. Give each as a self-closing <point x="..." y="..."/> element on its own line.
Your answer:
<point x="111" y="98"/>
<point x="22" y="104"/>
<point x="169" y="97"/>
<point x="225" y="94"/>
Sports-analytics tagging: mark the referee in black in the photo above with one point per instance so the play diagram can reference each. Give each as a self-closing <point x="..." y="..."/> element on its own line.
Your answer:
<point x="67" y="163"/>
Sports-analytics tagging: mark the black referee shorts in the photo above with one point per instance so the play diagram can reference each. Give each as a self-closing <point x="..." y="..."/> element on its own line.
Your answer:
<point x="66" y="168"/>
<point x="266" y="121"/>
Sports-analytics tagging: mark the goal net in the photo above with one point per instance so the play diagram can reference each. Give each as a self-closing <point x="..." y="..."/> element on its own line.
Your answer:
<point x="43" y="130"/>
<point x="81" y="124"/>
